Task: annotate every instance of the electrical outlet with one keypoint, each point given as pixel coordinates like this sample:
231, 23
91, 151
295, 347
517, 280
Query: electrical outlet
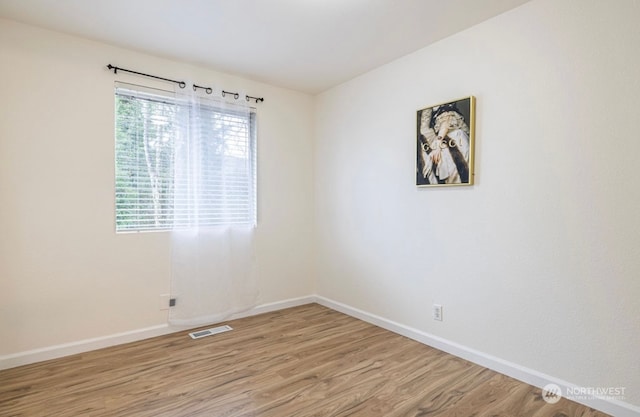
437, 312
164, 301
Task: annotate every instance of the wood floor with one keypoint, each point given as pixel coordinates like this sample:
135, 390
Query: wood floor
304, 361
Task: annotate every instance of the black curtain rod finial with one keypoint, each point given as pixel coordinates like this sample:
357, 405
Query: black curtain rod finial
257, 99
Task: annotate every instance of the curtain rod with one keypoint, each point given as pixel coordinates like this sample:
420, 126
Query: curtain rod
182, 84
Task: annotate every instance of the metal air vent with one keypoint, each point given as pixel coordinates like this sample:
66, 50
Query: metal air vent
210, 332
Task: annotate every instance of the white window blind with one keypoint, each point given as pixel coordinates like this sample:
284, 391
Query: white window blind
157, 188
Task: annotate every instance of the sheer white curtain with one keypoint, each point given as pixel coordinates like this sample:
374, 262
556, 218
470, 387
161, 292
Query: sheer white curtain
213, 250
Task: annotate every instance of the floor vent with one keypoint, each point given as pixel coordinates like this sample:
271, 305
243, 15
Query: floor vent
210, 332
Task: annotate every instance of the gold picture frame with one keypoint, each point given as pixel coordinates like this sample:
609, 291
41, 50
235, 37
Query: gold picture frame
445, 139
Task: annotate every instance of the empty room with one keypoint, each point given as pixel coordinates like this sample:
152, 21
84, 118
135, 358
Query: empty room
279, 208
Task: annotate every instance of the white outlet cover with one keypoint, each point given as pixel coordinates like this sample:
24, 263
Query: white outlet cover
437, 312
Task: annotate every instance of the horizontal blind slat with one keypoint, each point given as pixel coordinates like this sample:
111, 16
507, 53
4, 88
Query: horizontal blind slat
149, 132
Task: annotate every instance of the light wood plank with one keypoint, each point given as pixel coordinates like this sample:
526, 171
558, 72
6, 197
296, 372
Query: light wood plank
300, 362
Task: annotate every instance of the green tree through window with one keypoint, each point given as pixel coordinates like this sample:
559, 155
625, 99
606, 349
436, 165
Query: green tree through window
148, 128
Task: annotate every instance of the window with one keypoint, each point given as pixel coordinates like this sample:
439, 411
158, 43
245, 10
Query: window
181, 163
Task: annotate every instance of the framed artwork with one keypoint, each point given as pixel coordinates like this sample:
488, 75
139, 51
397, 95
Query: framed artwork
445, 144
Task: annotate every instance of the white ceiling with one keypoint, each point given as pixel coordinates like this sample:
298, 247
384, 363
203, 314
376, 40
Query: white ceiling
305, 45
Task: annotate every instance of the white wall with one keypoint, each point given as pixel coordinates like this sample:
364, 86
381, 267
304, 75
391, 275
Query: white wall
536, 264
539, 262
65, 275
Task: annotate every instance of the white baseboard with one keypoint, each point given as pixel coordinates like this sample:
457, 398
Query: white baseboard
614, 407
529, 376
81, 346
278, 305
